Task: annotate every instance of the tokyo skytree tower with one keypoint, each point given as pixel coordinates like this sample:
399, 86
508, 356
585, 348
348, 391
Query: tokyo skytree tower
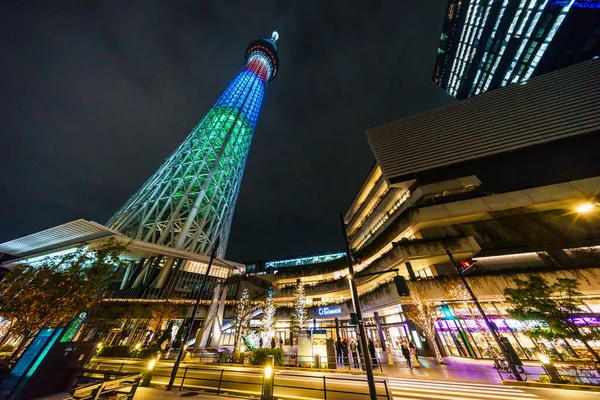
190, 199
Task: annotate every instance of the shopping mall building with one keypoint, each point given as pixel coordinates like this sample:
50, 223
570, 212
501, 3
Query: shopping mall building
509, 178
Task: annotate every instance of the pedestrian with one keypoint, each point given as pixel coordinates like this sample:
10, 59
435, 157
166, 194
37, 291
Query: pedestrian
345, 353
260, 343
280, 342
406, 352
338, 350
372, 352
354, 351
273, 342
413, 353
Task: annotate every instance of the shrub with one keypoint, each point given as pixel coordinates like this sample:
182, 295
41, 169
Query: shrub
114, 351
145, 353
259, 356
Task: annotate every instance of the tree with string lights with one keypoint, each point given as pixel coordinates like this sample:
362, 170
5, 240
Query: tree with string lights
299, 316
268, 320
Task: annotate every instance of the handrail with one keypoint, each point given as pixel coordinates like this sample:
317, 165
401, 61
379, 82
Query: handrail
113, 387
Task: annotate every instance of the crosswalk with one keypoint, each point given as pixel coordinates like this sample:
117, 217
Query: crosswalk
419, 389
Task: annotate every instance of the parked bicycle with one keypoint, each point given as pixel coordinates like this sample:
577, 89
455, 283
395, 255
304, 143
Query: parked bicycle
502, 367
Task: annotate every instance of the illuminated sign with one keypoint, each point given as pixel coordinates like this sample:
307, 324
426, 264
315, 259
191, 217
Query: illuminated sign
323, 311
75, 326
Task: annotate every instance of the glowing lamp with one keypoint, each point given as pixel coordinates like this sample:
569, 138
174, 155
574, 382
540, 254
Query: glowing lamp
543, 358
151, 364
584, 208
268, 372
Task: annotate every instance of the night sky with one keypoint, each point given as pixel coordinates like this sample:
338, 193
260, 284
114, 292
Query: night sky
94, 95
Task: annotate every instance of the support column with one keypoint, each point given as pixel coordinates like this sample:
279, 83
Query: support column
380, 330
411, 271
337, 329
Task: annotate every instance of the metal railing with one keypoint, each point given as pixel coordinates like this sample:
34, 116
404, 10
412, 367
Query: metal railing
217, 380
345, 363
105, 384
331, 385
580, 372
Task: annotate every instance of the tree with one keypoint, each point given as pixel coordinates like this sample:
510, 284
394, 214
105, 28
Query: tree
165, 312
423, 315
241, 320
553, 305
299, 316
109, 315
268, 320
50, 292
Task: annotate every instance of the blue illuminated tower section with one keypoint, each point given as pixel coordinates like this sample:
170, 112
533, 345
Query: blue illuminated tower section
189, 201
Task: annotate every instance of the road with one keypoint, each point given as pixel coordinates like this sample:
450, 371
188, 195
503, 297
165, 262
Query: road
309, 385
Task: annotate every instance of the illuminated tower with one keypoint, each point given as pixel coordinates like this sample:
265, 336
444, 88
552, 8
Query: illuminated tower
190, 199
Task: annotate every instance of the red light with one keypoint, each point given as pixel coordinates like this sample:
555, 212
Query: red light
467, 263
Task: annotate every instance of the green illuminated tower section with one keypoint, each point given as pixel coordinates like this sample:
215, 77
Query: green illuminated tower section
190, 199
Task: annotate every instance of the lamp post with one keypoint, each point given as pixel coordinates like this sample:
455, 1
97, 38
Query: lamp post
361, 326
511, 365
194, 312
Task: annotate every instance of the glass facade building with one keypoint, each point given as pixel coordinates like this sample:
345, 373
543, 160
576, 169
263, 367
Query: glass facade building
487, 44
189, 201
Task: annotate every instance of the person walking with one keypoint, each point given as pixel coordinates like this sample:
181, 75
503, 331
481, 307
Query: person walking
354, 351
273, 342
413, 353
371, 346
280, 342
406, 352
345, 353
338, 350
260, 343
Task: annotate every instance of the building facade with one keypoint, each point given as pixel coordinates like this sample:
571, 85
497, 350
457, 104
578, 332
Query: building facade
488, 178
489, 44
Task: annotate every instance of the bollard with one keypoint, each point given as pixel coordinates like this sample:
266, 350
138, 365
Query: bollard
268, 378
147, 375
550, 369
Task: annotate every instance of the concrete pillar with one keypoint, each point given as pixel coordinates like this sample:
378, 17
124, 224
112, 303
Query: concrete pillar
380, 330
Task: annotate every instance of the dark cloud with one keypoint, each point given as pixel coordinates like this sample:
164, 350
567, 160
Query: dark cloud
96, 94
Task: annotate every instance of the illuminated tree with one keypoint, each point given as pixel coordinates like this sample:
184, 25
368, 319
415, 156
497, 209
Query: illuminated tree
423, 314
268, 320
164, 313
299, 317
241, 320
51, 292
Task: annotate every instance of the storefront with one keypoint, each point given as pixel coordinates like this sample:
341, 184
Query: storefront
470, 337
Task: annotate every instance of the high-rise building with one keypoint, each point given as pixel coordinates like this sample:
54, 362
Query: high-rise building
189, 201
487, 44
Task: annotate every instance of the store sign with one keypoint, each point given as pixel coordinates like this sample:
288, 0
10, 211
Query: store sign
323, 311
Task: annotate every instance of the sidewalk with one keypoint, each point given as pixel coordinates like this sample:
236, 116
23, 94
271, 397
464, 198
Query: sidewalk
454, 368
147, 393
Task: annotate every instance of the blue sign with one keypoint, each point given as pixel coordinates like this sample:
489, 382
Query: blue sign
28, 362
324, 311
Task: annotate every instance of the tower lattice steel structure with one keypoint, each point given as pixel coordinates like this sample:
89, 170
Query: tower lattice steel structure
190, 199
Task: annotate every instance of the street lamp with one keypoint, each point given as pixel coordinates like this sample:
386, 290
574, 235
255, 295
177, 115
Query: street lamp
188, 331
361, 326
